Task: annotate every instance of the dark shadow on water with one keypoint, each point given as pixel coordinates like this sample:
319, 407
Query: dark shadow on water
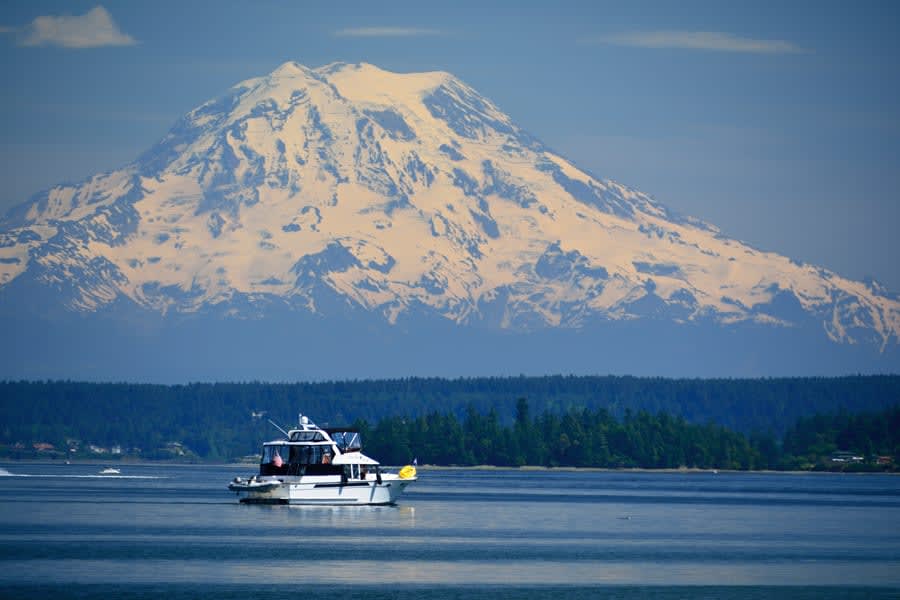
260, 590
747, 500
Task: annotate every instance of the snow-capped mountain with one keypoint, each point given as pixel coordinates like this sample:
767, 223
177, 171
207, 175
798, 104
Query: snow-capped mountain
350, 188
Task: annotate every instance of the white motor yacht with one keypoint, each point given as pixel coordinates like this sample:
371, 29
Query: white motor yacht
110, 471
316, 465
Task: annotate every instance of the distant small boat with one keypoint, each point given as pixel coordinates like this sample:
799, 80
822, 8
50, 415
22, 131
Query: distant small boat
110, 471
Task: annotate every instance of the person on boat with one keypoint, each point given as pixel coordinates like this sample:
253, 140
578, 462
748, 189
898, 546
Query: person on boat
326, 458
276, 460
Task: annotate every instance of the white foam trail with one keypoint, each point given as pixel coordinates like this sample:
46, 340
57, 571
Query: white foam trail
103, 476
5, 473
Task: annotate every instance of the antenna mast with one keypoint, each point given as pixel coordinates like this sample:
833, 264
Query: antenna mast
275, 425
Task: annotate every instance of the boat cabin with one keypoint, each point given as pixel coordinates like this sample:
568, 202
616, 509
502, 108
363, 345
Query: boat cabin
312, 451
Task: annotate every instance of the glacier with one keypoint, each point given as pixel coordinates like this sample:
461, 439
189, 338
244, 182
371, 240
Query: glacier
356, 207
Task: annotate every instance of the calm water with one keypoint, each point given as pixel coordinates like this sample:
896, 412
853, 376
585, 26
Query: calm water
176, 531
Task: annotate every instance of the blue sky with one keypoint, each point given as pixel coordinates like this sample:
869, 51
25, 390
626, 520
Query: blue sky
777, 122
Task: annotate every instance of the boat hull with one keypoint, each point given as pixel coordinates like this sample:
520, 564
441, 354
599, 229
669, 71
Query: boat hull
296, 491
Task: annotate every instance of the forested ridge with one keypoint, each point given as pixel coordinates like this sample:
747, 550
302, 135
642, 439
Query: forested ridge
594, 438
579, 421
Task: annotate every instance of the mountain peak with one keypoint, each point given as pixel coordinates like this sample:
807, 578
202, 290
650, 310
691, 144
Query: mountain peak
397, 194
288, 68
338, 66
363, 82
358, 83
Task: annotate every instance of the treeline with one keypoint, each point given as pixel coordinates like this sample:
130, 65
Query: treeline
228, 421
866, 435
594, 438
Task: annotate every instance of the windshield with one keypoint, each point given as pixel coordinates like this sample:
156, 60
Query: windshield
347, 441
307, 436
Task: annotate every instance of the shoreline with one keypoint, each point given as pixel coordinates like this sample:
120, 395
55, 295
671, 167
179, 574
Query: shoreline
426, 467
685, 470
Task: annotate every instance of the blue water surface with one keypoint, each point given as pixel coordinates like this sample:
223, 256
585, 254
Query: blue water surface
175, 531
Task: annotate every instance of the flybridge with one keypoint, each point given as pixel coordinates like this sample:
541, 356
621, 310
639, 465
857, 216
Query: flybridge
308, 450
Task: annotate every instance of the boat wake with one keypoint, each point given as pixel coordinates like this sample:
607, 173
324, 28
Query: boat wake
6, 473
104, 476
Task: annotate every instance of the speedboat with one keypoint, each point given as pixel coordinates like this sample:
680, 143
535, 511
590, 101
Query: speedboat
314, 465
110, 471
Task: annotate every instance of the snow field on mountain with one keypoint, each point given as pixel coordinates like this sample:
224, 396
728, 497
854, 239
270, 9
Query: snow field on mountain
396, 192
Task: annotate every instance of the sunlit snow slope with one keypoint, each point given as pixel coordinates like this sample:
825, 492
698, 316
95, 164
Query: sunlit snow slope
348, 185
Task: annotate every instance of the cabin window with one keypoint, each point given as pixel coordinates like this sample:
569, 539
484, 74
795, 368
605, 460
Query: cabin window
275, 460
276, 454
277, 457
356, 471
311, 455
307, 436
